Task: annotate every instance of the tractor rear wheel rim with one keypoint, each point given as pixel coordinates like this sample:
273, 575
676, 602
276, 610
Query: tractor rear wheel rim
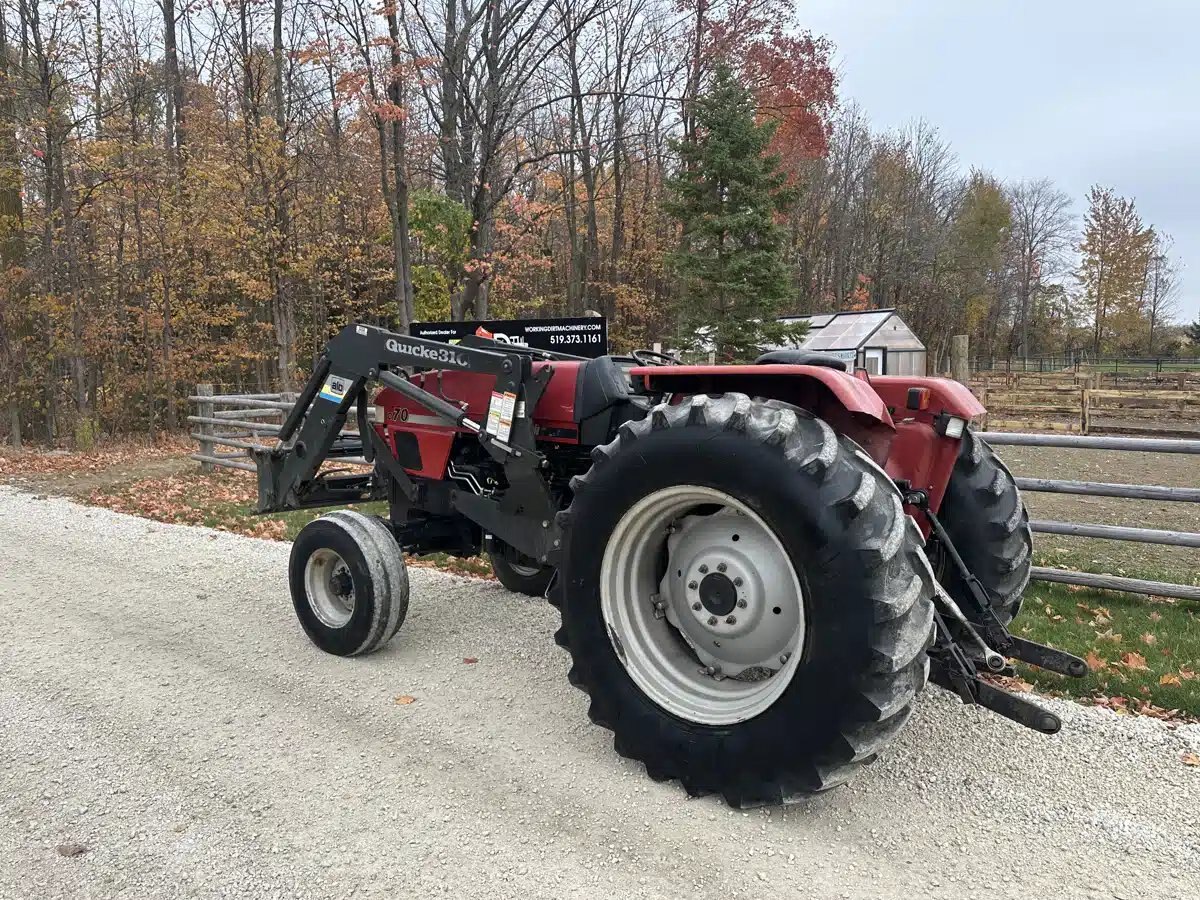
329, 588
715, 637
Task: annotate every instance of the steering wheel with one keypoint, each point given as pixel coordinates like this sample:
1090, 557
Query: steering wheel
654, 358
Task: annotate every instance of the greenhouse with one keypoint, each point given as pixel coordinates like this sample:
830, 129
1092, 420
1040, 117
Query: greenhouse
877, 340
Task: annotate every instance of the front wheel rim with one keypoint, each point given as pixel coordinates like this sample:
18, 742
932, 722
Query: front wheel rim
329, 588
702, 605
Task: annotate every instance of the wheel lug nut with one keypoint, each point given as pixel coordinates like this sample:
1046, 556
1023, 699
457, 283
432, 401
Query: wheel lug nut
692, 585
721, 567
741, 604
696, 607
731, 620
737, 582
703, 569
712, 620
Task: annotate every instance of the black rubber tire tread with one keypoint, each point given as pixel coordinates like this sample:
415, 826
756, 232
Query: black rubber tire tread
986, 519
868, 597
518, 583
380, 576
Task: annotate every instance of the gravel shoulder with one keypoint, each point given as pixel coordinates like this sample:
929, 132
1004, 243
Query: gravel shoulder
160, 707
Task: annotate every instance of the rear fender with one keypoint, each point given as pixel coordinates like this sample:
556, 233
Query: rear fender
848, 403
921, 454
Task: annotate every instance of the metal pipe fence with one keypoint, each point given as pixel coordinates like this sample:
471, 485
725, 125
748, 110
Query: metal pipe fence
1085, 362
1100, 489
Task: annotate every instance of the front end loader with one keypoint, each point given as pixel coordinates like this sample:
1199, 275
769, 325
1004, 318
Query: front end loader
758, 567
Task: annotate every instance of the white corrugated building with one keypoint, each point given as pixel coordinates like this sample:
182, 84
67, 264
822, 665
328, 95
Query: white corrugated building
877, 340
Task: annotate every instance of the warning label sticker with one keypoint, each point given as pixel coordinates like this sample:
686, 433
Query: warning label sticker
335, 388
495, 410
507, 407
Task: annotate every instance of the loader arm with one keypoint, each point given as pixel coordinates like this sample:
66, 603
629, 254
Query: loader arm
361, 356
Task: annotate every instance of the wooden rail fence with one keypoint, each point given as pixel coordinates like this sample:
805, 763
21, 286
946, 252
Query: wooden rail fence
243, 427
1074, 403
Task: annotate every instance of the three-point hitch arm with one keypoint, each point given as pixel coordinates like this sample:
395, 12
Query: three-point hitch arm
363, 355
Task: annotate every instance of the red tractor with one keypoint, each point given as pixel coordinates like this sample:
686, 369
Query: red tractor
758, 567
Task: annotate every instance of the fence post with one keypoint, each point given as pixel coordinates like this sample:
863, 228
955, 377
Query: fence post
959, 348
206, 410
1086, 402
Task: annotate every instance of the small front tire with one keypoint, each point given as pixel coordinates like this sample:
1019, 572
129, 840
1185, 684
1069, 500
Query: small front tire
349, 583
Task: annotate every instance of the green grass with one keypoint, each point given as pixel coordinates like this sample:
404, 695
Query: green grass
226, 502
1141, 648
230, 515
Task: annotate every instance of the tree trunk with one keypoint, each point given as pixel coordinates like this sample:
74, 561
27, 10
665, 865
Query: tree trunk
12, 242
283, 300
402, 261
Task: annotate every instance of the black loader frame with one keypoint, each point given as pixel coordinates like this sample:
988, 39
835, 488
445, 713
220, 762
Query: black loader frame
360, 355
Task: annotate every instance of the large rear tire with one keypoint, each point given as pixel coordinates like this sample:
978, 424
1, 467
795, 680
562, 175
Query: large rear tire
349, 583
823, 561
986, 519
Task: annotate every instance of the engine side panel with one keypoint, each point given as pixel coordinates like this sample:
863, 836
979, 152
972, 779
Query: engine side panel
406, 421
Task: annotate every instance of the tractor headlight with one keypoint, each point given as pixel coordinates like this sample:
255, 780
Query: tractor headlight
955, 427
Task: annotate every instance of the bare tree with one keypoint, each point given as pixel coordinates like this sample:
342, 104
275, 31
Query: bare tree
12, 238
1042, 235
1160, 296
488, 53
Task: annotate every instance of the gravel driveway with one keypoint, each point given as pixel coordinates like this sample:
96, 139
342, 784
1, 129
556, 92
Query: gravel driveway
160, 707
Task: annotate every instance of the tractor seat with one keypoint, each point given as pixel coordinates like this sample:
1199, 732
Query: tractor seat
800, 358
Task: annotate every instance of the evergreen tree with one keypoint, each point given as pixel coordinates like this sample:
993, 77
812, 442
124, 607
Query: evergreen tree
1193, 332
730, 266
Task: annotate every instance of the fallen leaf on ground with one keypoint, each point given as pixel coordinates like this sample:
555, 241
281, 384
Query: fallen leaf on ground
1149, 639
1155, 616
71, 849
1109, 636
1095, 661
1190, 759
1170, 679
405, 700
469, 660
1133, 660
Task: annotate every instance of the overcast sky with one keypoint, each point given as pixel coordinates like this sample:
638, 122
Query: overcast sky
1082, 92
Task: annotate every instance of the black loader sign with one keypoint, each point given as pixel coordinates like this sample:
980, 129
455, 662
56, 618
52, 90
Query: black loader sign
582, 336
